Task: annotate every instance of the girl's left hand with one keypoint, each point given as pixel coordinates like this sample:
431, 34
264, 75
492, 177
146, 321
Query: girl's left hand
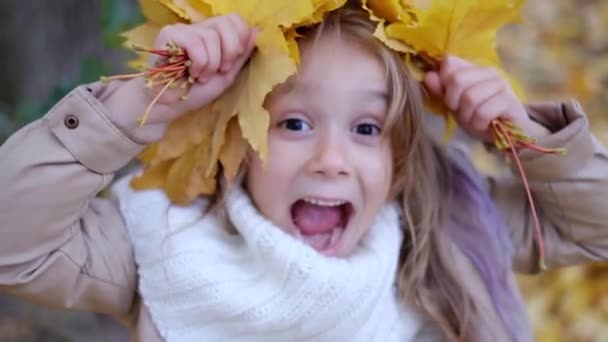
478, 95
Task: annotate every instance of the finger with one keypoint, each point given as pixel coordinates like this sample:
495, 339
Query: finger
493, 108
185, 38
243, 58
166, 34
227, 78
196, 51
451, 64
211, 41
230, 43
475, 96
433, 84
241, 27
461, 80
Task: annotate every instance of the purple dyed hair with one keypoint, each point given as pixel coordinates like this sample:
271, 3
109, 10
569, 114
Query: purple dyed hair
477, 228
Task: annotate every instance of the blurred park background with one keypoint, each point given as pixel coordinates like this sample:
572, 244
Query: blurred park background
559, 51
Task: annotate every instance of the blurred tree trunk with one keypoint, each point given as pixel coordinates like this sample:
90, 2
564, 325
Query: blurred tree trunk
43, 43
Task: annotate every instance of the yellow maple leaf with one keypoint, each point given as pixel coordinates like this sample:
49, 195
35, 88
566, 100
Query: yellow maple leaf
189, 129
270, 66
264, 13
233, 151
201, 7
465, 28
383, 11
158, 13
291, 37
186, 178
389, 10
397, 45
321, 7
142, 35
190, 10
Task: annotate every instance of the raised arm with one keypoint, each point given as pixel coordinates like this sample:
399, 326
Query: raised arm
570, 193
59, 244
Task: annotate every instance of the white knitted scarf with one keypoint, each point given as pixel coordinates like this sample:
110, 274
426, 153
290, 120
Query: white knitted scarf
201, 283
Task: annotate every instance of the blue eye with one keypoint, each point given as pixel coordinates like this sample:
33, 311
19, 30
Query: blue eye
368, 129
295, 125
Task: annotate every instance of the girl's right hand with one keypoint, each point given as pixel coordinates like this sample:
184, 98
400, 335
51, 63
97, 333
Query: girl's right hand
218, 48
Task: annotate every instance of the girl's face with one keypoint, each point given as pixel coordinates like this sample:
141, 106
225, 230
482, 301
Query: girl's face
329, 168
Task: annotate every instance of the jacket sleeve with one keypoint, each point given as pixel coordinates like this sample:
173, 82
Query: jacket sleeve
570, 193
60, 244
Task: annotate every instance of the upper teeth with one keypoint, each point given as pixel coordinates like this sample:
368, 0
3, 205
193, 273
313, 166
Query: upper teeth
325, 203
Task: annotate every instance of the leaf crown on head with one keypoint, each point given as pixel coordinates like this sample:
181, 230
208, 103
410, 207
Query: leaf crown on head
186, 161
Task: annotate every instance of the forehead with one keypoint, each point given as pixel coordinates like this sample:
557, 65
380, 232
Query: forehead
335, 63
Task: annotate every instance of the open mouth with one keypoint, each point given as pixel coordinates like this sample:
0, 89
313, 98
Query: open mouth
322, 223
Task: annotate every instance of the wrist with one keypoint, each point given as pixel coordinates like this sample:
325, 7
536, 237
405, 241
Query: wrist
126, 107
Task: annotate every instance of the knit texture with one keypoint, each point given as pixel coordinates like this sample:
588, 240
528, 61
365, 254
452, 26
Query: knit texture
201, 283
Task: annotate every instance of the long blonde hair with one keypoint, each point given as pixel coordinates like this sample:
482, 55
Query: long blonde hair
424, 181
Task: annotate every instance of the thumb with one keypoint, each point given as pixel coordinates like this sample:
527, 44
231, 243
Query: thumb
432, 81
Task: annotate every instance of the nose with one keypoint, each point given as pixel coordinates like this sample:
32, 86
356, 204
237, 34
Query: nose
330, 157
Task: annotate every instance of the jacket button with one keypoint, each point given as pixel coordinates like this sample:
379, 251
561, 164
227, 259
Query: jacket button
70, 121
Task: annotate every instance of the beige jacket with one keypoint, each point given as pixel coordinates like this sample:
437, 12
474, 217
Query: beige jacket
63, 246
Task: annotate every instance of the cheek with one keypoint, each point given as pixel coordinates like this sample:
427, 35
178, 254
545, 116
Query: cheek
268, 183
254, 173
379, 173
376, 171
254, 181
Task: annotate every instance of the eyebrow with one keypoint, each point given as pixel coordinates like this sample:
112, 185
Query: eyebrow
375, 93
289, 87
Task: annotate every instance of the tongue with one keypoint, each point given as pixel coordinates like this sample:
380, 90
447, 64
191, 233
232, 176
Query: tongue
315, 219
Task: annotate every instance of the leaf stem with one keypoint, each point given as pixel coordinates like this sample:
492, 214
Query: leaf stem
500, 129
149, 108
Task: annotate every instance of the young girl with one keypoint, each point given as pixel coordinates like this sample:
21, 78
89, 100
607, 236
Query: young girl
358, 228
